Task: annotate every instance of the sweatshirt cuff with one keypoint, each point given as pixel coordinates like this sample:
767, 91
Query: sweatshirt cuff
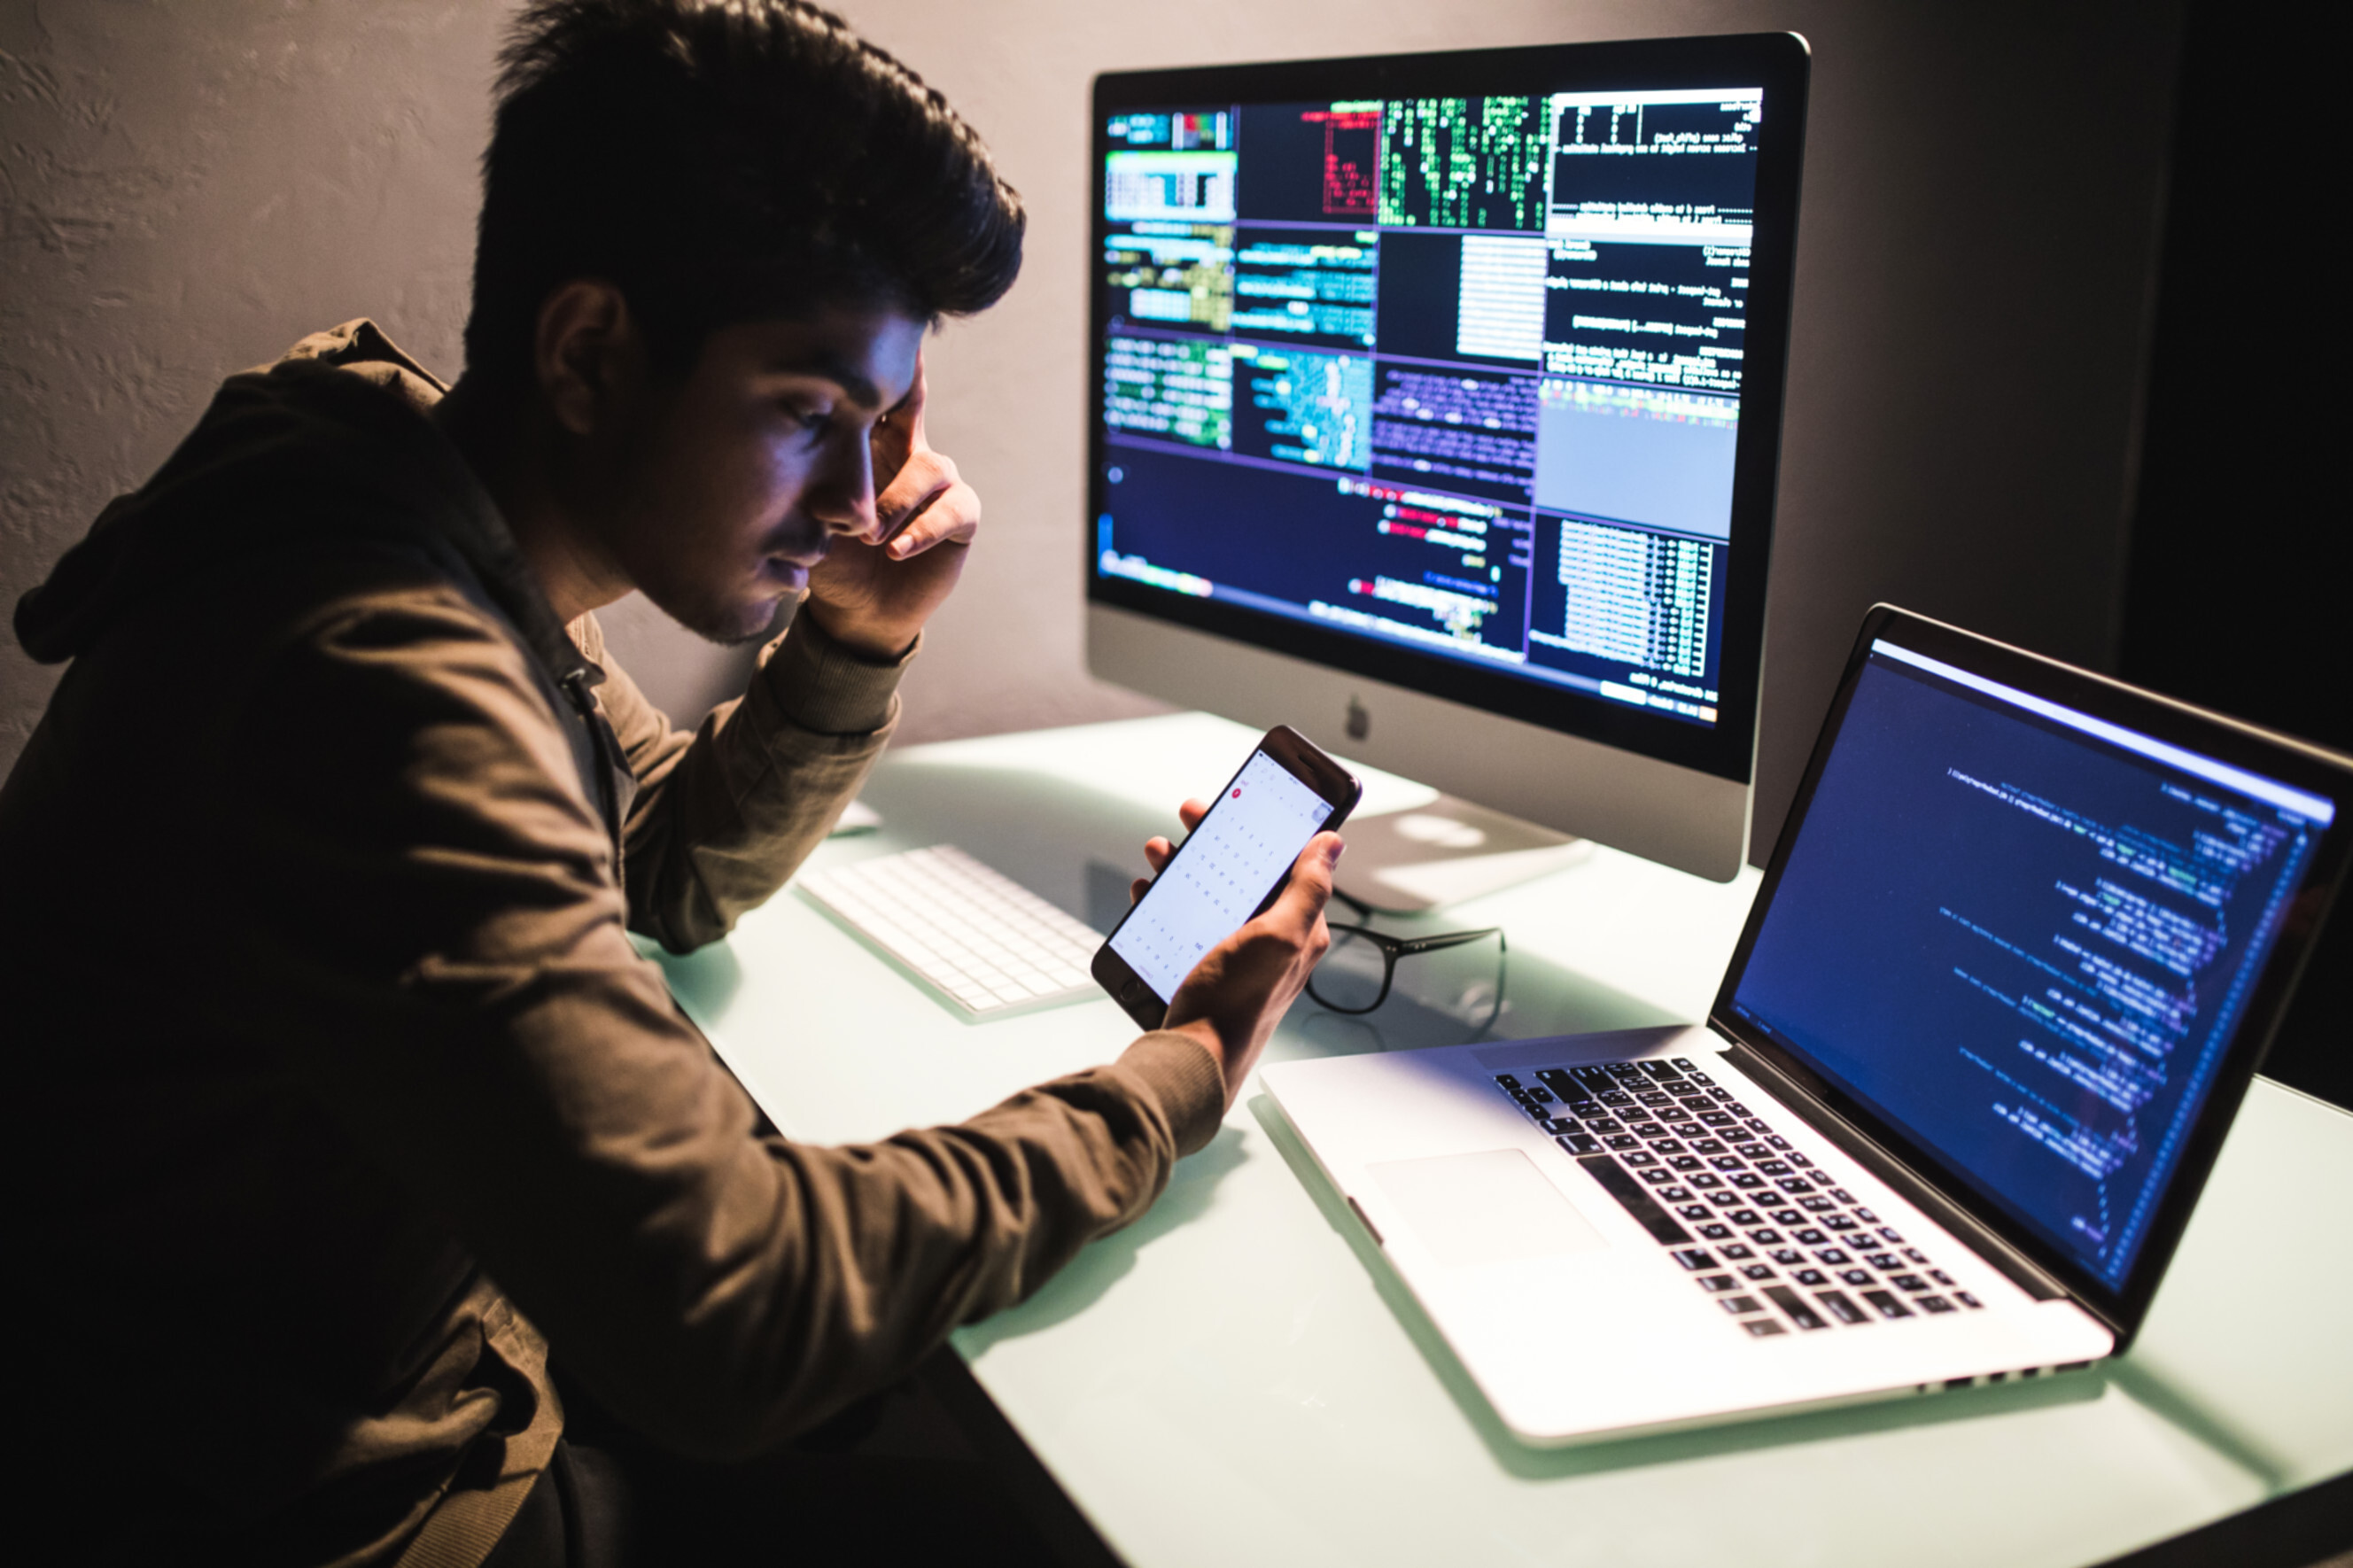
1184, 1077
823, 687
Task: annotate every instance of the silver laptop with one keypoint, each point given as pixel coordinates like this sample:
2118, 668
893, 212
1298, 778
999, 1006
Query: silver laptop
2022, 944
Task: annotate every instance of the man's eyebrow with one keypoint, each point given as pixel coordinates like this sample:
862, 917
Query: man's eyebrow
833, 367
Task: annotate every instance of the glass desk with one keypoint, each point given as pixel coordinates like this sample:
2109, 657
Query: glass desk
1237, 1380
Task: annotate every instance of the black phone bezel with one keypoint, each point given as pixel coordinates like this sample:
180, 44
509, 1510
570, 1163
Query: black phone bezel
2122, 1308
1304, 761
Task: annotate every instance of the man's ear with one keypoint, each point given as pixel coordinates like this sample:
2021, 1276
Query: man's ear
586, 352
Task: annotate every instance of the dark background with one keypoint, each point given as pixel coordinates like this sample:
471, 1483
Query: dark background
2234, 582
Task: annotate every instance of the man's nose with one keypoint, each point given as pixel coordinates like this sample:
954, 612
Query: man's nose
842, 494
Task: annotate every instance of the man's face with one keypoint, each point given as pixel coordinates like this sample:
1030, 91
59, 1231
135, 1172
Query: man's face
730, 485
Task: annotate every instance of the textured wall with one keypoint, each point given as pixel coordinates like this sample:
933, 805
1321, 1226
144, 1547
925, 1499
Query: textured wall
188, 189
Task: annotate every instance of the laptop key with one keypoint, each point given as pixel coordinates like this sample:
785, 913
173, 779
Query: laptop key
1794, 1306
1810, 1277
1758, 1271
1716, 1232
1787, 1257
1739, 1304
1909, 1282
1936, 1303
1887, 1305
1718, 1283
1736, 1252
1658, 1175
1674, 1194
1762, 1328
1640, 1157
1788, 1216
1623, 1140
1694, 1257
1857, 1277
1966, 1300
1743, 1217
1830, 1255
1809, 1236
1766, 1236
1635, 1198
1579, 1142
1694, 1211
1844, 1310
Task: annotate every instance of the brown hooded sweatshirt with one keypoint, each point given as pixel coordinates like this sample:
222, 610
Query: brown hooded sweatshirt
315, 883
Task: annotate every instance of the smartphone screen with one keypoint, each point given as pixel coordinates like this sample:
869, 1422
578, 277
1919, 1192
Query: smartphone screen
1220, 874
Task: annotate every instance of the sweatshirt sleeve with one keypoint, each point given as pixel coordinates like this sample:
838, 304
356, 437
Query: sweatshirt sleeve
435, 940
724, 815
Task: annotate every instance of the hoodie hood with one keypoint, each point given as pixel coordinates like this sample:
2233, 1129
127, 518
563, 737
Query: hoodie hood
332, 443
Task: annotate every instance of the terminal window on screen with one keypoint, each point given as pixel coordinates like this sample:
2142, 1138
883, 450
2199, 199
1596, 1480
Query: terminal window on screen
2026, 946
1461, 373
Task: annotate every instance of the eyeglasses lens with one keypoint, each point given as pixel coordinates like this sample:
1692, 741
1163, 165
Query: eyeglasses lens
1349, 978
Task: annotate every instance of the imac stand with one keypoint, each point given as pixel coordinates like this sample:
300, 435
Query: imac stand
1447, 852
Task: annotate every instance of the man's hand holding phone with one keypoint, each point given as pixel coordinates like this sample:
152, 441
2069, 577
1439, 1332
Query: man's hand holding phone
1241, 987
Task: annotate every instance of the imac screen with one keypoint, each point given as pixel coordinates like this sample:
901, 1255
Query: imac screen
1459, 377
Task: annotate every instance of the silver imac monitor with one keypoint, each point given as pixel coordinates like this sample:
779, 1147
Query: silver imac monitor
1436, 412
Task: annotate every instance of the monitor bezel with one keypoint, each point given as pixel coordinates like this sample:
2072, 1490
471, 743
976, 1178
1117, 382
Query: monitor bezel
1778, 64
2283, 758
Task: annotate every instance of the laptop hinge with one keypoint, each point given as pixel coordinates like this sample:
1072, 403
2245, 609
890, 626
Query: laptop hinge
2020, 1269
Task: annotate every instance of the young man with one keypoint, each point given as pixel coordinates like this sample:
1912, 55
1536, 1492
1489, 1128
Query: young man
342, 1100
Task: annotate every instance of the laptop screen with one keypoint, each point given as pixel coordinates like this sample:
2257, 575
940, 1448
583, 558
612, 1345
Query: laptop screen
2024, 936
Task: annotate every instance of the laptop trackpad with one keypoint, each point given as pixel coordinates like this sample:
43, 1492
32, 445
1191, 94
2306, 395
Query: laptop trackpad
1490, 1207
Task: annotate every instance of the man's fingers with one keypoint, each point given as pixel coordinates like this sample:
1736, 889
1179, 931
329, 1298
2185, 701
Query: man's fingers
951, 517
1190, 813
1159, 851
1301, 907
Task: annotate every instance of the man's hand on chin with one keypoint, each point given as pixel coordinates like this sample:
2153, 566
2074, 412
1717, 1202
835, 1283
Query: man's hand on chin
873, 595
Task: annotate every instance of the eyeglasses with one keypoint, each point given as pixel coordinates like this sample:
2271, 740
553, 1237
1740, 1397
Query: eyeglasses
1358, 972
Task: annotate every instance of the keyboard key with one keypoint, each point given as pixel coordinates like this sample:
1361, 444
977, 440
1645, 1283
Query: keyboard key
1936, 1303
1843, 1197
1604, 1124
1694, 1257
1915, 1254
1777, 1141
1809, 1236
1736, 1252
1561, 1124
1579, 1142
1635, 1199
1966, 1300
1666, 1145
1787, 1257
1715, 1232
1766, 1236
1844, 1310
1623, 1140
1810, 1277
1718, 1282
1774, 1167
1639, 1158
1793, 1186
1895, 1236
1705, 1179
1658, 1175
1857, 1277
1797, 1158
1940, 1277
1672, 1114
1762, 1328
1837, 1222
1886, 1305
1794, 1306
1739, 1304
1757, 1272
1744, 1216
1747, 1179
1830, 1255
1788, 1216
1685, 1162
1706, 1146
1694, 1211
1727, 1198
1909, 1282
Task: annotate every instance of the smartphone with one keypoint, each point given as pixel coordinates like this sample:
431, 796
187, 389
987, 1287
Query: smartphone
1228, 869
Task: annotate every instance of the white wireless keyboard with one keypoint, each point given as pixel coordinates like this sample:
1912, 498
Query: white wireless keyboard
979, 937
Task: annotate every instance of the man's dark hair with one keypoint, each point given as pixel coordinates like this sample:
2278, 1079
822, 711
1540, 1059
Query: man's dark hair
724, 161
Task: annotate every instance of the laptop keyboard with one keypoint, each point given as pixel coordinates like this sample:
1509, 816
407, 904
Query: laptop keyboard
1761, 1227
